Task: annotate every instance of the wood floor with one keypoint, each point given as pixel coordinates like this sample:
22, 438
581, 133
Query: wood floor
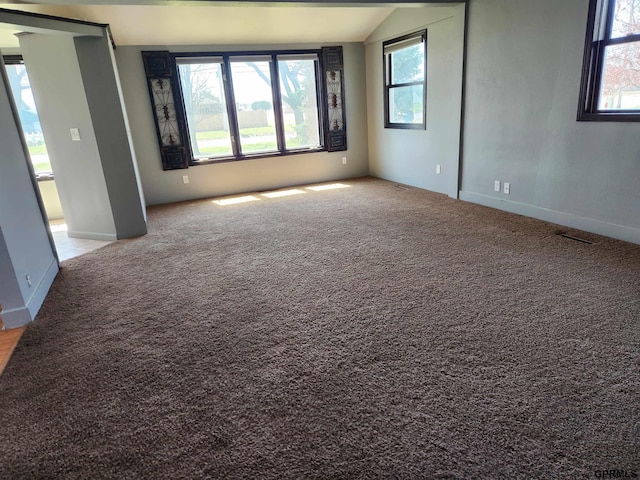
8, 341
67, 248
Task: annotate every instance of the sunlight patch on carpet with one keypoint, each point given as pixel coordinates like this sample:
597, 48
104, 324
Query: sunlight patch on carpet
234, 200
332, 186
283, 193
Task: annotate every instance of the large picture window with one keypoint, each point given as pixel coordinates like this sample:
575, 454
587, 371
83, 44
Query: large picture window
247, 105
405, 80
611, 72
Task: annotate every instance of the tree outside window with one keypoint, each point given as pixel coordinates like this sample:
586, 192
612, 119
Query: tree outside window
405, 81
611, 73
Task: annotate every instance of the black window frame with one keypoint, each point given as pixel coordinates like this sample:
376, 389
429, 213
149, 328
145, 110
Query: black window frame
600, 20
231, 112
16, 59
389, 85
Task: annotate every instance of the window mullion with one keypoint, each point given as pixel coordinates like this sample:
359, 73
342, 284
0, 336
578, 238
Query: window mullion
611, 11
594, 96
277, 103
231, 106
622, 40
321, 94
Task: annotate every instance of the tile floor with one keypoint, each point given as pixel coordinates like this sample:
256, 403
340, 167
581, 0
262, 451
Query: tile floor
71, 247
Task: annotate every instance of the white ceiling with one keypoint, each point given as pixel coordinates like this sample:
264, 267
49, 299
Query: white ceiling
215, 24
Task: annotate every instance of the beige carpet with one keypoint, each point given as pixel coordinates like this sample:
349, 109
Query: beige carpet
358, 332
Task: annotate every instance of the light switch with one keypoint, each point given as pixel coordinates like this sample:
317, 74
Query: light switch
75, 134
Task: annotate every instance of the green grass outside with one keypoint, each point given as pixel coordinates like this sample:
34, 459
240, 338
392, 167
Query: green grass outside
254, 147
38, 149
250, 148
41, 167
245, 132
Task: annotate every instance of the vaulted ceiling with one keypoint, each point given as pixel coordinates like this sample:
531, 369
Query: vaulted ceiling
154, 22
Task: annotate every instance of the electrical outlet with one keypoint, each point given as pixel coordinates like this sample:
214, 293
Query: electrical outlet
28, 280
185, 179
438, 169
506, 188
496, 185
344, 160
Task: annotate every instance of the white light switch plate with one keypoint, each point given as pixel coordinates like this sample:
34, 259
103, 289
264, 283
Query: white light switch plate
75, 134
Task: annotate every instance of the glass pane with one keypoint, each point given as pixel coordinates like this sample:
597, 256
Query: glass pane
206, 109
626, 19
620, 85
406, 104
21, 90
254, 107
407, 64
299, 103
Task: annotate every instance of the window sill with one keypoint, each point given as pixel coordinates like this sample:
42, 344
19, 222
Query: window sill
255, 156
44, 177
608, 117
406, 126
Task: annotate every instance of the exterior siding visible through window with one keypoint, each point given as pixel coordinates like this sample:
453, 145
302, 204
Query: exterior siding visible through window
610, 89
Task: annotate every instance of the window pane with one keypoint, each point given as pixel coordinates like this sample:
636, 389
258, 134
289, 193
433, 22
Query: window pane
254, 107
406, 104
407, 64
620, 86
626, 19
21, 90
299, 103
206, 109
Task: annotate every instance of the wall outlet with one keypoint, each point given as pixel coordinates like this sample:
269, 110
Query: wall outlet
344, 160
506, 188
496, 185
438, 170
28, 278
185, 179
75, 134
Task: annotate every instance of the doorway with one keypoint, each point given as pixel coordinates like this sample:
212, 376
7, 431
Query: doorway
66, 247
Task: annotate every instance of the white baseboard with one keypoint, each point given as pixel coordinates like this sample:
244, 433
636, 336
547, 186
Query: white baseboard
107, 237
42, 289
620, 232
18, 317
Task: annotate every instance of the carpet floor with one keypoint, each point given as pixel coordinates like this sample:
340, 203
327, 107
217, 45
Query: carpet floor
359, 332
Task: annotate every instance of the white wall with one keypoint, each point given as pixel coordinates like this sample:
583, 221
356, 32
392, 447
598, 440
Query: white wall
108, 117
50, 199
411, 156
524, 65
248, 175
24, 243
62, 104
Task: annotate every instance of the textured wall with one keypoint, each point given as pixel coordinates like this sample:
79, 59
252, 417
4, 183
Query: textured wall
524, 64
24, 244
411, 156
248, 175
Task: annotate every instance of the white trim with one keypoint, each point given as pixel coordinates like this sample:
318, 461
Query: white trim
299, 56
620, 232
249, 58
406, 43
106, 237
18, 317
197, 60
41, 290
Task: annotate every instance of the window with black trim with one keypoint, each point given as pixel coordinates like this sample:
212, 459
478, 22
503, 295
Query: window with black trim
23, 97
251, 104
611, 72
405, 81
